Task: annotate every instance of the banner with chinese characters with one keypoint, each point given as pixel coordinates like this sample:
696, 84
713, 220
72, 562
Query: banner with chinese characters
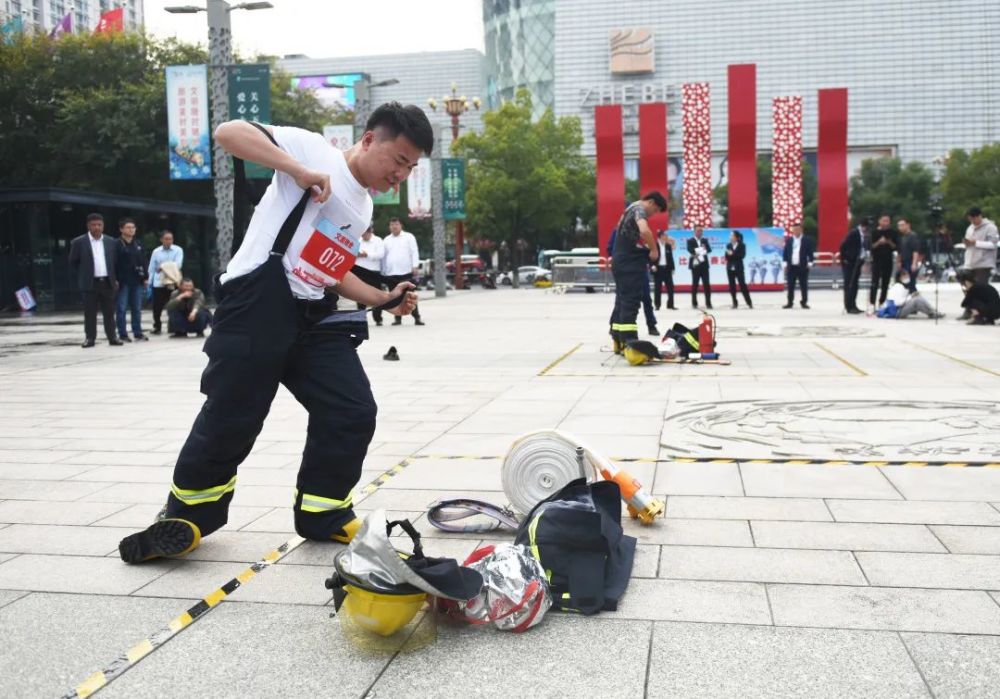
187, 123
453, 189
250, 100
340, 136
418, 190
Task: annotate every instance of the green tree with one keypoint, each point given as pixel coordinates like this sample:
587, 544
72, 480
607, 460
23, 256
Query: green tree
971, 179
886, 186
89, 112
526, 179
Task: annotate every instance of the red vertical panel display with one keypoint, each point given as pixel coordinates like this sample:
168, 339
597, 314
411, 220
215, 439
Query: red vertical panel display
697, 155
786, 162
832, 166
653, 156
610, 170
743, 145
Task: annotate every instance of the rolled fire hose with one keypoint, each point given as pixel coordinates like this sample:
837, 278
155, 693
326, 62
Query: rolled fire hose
541, 463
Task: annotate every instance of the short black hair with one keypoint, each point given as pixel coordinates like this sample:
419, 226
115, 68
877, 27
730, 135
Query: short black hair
394, 219
974, 211
187, 280
95, 217
164, 232
902, 219
122, 222
739, 236
657, 199
410, 121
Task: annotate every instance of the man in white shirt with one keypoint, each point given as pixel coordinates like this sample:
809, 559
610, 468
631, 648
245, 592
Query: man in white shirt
277, 324
92, 257
162, 286
798, 259
368, 267
401, 261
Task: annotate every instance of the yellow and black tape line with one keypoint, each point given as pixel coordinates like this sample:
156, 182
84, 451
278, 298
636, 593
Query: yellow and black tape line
717, 460
546, 370
147, 645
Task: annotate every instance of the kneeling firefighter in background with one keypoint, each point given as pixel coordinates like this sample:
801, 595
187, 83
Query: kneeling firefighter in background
634, 248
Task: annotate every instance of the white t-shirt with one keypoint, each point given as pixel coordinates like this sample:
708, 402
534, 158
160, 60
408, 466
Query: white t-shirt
349, 209
401, 254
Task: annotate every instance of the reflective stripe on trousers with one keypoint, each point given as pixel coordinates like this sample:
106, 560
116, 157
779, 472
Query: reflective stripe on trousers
204, 495
316, 503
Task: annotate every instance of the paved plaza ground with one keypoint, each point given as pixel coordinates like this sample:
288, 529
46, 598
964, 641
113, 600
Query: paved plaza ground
832, 528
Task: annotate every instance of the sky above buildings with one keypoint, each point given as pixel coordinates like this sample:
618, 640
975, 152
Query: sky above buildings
333, 28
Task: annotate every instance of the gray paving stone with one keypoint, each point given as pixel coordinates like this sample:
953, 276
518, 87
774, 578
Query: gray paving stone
264, 496
78, 574
41, 512
277, 584
130, 493
647, 561
124, 459
914, 512
437, 474
697, 479
80, 635
559, 658
277, 519
956, 667
940, 570
50, 539
140, 516
8, 596
236, 546
47, 490
852, 536
693, 600
759, 565
975, 484
778, 480
255, 650
691, 532
34, 456
702, 507
969, 539
38, 472
897, 609
715, 660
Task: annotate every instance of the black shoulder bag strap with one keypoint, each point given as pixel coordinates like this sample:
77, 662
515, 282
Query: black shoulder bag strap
247, 196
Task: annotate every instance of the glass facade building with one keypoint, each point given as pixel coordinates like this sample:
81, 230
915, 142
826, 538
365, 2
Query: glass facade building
520, 50
923, 76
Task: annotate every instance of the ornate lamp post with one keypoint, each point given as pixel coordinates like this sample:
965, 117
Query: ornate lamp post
455, 106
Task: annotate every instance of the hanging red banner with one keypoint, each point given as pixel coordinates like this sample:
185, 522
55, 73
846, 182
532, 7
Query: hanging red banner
743, 145
610, 170
832, 165
653, 156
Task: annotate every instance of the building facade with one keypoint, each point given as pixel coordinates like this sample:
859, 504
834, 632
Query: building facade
409, 78
923, 76
43, 15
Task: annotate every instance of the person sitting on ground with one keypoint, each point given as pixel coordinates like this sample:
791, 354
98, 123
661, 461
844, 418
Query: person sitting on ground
981, 301
186, 311
900, 302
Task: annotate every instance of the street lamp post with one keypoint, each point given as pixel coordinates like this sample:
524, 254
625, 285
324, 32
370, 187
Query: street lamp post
220, 55
454, 106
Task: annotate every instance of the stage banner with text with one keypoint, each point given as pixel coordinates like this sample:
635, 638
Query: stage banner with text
250, 100
761, 266
187, 123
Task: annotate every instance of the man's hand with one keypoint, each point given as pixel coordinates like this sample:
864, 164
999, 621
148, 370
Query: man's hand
191, 316
969, 242
409, 302
317, 182
362, 254
185, 294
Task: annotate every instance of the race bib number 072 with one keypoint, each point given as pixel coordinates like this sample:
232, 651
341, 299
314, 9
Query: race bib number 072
328, 255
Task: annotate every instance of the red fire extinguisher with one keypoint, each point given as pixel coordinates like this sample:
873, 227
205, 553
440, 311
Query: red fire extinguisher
706, 335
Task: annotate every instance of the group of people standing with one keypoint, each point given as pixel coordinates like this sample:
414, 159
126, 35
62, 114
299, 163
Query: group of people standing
896, 255
386, 262
113, 277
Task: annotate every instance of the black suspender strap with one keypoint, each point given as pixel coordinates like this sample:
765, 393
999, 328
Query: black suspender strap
245, 197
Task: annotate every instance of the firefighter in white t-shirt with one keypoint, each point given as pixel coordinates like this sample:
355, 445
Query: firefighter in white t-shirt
277, 323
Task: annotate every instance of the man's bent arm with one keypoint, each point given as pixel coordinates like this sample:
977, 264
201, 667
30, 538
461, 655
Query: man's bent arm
647, 237
352, 288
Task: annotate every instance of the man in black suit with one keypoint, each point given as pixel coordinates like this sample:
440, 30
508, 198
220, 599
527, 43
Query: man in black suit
698, 250
798, 258
92, 258
853, 250
735, 252
663, 270
885, 241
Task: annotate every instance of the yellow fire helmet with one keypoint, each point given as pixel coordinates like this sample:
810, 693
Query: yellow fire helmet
639, 352
381, 589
